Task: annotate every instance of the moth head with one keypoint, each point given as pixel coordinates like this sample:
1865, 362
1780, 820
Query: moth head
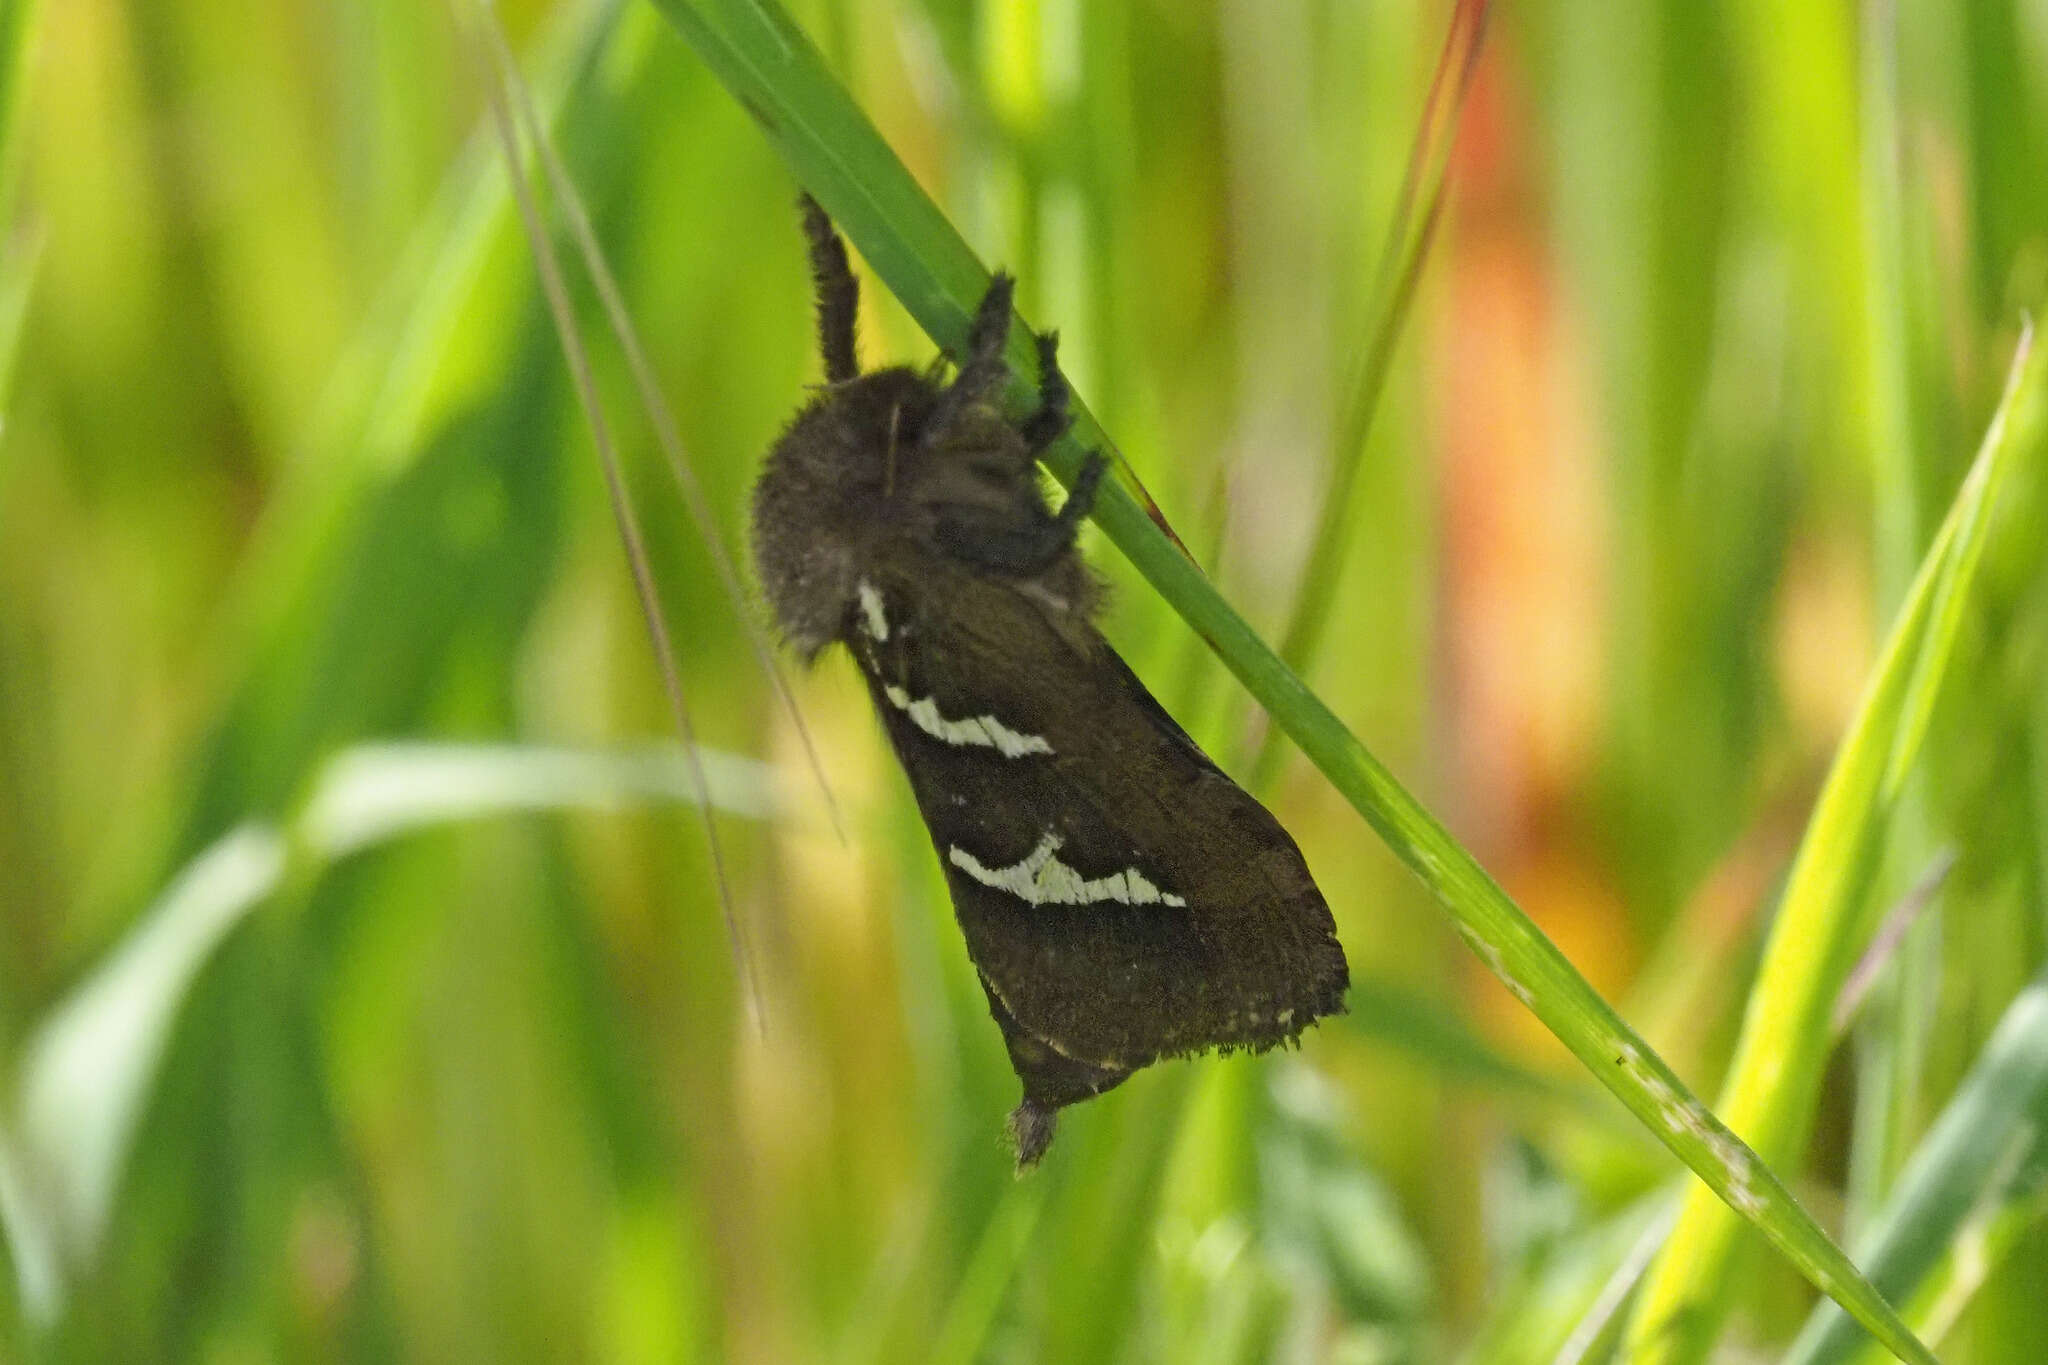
831, 491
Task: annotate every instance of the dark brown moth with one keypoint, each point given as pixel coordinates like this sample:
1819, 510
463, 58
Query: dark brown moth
1121, 898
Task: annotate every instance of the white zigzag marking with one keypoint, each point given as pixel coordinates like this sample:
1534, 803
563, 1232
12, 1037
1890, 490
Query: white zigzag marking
1042, 879
986, 731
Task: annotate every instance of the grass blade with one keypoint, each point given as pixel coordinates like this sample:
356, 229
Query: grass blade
775, 73
375, 792
1823, 918
88, 1069
555, 290
1568, 1300
1409, 239
661, 418
962, 1336
21, 251
1965, 1159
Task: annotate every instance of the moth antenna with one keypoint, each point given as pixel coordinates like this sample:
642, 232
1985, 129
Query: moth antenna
838, 293
889, 455
659, 415
578, 360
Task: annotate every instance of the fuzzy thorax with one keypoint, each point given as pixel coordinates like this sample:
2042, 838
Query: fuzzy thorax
861, 483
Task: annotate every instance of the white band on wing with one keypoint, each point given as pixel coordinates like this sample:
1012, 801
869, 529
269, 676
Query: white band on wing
985, 731
1042, 879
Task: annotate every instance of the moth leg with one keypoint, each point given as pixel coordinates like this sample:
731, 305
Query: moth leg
837, 290
1081, 497
1052, 419
983, 369
977, 536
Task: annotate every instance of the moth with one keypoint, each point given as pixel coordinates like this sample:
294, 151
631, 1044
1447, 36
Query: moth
1122, 900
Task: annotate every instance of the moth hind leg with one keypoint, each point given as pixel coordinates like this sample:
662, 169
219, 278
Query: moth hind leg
975, 535
838, 293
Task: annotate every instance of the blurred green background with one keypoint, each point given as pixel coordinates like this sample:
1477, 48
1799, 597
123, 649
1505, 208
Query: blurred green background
1720, 304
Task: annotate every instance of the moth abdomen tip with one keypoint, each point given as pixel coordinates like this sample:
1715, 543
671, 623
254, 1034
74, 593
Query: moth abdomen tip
1031, 1129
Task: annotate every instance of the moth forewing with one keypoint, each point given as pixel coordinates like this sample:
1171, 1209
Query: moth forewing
1122, 899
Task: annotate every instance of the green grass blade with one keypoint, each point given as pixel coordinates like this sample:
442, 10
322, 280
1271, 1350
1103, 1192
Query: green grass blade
86, 1071
21, 244
1964, 1160
1570, 1299
411, 375
89, 1067
19, 31
19, 261
1991, 1243
962, 1336
776, 74
1396, 1015
1407, 252
375, 792
1823, 919
1891, 1046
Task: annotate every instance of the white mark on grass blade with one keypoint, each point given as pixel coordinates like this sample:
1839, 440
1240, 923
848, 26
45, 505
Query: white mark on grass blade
1689, 1116
1497, 964
1042, 879
984, 731
872, 618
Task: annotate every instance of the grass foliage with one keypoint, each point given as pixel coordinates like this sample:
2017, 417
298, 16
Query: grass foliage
364, 993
